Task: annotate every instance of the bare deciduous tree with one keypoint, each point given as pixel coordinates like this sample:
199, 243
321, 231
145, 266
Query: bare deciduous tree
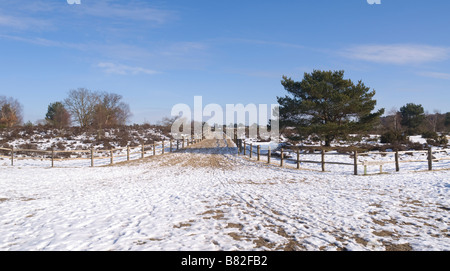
81, 104
395, 119
111, 111
432, 120
99, 109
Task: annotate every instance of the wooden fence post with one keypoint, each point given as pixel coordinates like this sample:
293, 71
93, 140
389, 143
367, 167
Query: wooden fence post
397, 164
245, 145
12, 156
92, 156
170, 149
268, 155
430, 158
128, 153
258, 149
111, 154
355, 162
323, 160
298, 158
251, 149
281, 160
162, 147
53, 155
142, 151
154, 148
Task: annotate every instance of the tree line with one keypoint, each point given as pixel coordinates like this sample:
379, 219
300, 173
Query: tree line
84, 107
412, 119
323, 104
329, 107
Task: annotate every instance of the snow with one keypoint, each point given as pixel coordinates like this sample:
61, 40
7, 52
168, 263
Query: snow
209, 198
418, 139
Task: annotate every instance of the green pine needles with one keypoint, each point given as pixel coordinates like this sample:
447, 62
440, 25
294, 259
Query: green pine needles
327, 105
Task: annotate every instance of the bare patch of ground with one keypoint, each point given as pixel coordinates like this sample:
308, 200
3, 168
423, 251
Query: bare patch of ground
205, 154
215, 214
235, 225
214, 161
262, 242
184, 224
397, 247
26, 199
20, 199
143, 242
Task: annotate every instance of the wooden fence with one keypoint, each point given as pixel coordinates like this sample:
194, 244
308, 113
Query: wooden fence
93, 154
249, 149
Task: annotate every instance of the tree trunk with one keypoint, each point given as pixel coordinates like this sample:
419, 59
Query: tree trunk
328, 140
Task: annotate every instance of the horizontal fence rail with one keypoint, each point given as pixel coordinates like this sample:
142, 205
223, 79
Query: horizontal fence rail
357, 158
131, 153
297, 158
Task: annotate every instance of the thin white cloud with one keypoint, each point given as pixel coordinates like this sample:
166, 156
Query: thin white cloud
268, 43
255, 73
128, 10
182, 48
113, 68
24, 23
167, 55
136, 11
46, 42
437, 75
401, 54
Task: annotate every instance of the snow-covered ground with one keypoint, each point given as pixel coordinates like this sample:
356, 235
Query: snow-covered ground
208, 198
408, 160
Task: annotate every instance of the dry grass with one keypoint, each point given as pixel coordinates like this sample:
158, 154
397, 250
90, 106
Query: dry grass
397, 247
206, 154
193, 160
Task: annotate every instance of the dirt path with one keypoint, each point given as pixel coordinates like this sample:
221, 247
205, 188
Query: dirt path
219, 158
209, 153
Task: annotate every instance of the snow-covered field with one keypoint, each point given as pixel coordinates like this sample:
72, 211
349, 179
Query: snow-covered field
208, 198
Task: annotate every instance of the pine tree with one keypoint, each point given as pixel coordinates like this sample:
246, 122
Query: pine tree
327, 105
447, 119
413, 115
57, 115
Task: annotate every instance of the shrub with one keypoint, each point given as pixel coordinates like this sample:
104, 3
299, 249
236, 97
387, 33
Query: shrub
415, 146
61, 146
393, 137
443, 140
438, 141
430, 135
28, 146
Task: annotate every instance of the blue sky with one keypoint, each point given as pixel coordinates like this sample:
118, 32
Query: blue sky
160, 53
